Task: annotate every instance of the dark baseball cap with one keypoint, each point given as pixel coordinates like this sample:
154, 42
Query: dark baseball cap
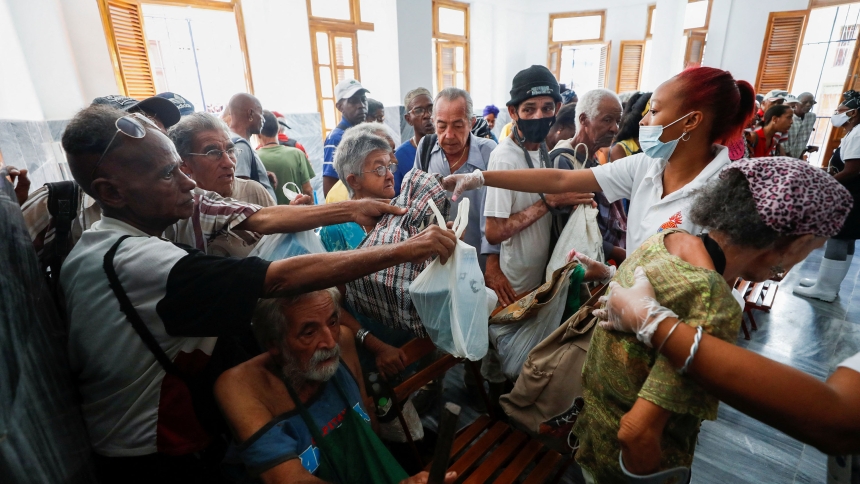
163, 109
533, 82
184, 105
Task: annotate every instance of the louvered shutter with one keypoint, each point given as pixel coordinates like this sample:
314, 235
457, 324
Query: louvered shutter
125, 26
630, 65
781, 50
603, 73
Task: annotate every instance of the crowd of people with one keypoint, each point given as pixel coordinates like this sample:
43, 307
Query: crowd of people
198, 362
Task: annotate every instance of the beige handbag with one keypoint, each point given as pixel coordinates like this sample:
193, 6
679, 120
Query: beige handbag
547, 396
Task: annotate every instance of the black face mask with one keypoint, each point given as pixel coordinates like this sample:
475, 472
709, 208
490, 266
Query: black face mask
535, 130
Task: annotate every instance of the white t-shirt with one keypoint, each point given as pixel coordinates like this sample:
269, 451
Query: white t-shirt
524, 256
640, 179
850, 145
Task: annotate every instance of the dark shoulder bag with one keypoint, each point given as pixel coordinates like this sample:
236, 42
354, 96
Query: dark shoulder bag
426, 148
200, 385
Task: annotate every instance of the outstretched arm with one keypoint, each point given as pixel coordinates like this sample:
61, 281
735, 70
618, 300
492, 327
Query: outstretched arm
543, 180
822, 414
293, 218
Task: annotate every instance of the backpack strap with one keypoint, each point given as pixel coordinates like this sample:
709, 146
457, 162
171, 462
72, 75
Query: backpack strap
63, 198
254, 172
133, 317
569, 154
426, 148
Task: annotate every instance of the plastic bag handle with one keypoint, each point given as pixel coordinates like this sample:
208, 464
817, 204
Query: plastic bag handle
287, 192
460, 222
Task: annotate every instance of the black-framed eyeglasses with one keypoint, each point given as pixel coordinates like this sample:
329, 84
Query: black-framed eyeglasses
130, 126
420, 111
215, 155
380, 170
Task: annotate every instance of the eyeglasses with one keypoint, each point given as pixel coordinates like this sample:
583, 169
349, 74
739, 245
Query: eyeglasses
129, 126
215, 155
421, 111
380, 170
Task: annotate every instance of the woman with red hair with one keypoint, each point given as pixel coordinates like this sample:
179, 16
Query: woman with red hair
692, 115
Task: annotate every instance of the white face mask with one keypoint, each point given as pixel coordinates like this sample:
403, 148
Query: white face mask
840, 119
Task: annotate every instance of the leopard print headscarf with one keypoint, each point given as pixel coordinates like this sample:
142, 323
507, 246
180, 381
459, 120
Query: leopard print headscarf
794, 198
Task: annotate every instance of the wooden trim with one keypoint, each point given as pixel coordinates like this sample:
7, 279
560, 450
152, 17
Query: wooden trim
210, 4
852, 81
243, 44
587, 13
111, 43
626, 43
828, 3
440, 39
354, 23
606, 64
651, 9
766, 44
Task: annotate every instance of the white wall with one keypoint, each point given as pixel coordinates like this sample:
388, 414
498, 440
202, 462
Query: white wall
18, 99
378, 51
738, 49
414, 45
86, 36
279, 47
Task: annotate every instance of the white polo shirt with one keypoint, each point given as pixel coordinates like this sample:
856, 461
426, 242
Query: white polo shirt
640, 179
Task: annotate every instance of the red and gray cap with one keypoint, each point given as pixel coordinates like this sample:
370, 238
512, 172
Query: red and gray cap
163, 109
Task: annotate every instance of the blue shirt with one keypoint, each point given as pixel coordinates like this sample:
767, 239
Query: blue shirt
330, 146
479, 156
405, 161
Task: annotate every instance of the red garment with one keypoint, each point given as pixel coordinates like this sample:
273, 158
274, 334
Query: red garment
282, 138
761, 149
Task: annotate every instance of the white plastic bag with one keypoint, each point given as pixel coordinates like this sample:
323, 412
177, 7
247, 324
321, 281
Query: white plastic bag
283, 246
581, 233
514, 341
451, 299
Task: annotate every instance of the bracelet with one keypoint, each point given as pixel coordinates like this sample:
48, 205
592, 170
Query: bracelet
360, 335
693, 350
668, 336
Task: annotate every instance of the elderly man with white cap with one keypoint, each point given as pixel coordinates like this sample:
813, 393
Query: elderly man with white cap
351, 98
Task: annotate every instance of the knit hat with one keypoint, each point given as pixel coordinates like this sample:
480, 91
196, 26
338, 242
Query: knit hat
532, 82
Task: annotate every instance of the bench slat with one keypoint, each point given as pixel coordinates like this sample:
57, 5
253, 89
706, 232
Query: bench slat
497, 458
520, 462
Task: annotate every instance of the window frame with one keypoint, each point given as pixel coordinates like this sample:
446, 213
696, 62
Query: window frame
584, 13
441, 39
334, 28
234, 6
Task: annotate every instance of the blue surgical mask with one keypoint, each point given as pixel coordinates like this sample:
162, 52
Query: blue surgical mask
649, 140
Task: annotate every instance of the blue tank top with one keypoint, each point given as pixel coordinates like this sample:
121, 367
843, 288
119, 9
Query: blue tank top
287, 437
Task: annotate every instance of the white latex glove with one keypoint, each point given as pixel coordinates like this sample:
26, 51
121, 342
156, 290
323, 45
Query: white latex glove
462, 183
594, 270
633, 309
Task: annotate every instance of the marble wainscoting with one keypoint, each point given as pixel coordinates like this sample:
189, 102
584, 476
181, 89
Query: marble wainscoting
35, 145
306, 128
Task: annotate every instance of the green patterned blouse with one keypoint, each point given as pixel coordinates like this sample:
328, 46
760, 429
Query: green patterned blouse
619, 369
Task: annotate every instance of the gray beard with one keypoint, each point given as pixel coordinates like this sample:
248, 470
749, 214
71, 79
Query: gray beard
298, 375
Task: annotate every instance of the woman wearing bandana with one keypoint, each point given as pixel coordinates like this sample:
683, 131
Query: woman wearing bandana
800, 205
840, 249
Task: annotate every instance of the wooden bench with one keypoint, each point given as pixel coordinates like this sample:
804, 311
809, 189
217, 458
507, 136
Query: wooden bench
487, 450
757, 295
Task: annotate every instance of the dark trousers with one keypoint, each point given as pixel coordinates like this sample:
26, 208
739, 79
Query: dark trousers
158, 468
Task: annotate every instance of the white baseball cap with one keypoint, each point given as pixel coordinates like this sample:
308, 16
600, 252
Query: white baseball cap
791, 99
776, 94
347, 88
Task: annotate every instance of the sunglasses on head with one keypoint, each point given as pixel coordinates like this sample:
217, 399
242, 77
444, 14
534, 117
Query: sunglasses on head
130, 126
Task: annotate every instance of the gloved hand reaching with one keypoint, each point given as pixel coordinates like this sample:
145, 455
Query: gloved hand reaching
594, 270
633, 309
462, 183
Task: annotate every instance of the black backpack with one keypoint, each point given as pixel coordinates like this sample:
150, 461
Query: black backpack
426, 147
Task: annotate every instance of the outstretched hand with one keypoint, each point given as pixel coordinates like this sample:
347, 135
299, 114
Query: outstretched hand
368, 211
594, 270
463, 183
21, 182
633, 309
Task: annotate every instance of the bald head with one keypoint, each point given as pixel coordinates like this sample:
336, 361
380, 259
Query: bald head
805, 102
246, 115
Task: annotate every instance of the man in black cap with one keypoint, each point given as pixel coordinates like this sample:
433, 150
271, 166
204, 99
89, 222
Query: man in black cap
520, 221
161, 111
184, 105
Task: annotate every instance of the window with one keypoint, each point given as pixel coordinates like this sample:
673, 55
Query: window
696, 18
451, 44
577, 54
334, 26
823, 64
197, 50
630, 63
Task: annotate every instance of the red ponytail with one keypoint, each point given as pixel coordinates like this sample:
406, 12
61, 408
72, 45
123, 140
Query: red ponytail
715, 91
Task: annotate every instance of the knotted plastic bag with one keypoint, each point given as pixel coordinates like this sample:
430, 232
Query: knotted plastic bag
451, 299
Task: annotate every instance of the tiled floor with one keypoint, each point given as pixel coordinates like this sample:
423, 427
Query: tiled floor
808, 334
